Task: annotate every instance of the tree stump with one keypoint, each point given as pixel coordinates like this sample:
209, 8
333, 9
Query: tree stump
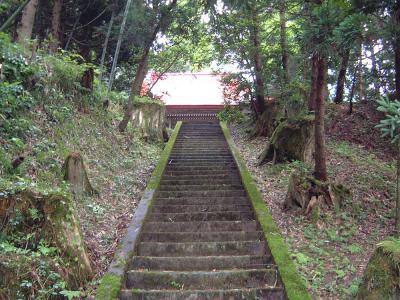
56, 223
310, 195
75, 173
269, 120
291, 140
382, 275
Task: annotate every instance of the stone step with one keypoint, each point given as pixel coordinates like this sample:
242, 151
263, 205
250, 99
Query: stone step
202, 182
203, 280
205, 156
200, 163
202, 216
199, 208
200, 263
220, 193
200, 187
243, 293
193, 177
200, 226
201, 159
205, 172
231, 167
202, 248
222, 236
210, 201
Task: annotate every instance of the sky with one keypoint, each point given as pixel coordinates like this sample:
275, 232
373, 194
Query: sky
190, 89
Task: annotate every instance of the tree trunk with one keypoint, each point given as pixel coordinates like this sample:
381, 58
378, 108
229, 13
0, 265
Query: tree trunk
71, 34
103, 54
320, 155
141, 70
12, 18
397, 50
314, 77
25, 27
115, 60
341, 81
55, 26
361, 81
285, 55
258, 65
397, 220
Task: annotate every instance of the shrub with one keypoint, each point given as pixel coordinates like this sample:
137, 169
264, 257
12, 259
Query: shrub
231, 114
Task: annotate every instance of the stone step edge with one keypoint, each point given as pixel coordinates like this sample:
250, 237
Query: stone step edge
111, 283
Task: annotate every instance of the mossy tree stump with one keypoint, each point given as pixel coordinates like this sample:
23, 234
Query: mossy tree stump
310, 195
56, 223
381, 278
75, 173
269, 120
291, 140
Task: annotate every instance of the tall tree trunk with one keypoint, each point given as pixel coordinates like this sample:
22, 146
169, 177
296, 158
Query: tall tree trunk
284, 50
361, 81
258, 65
320, 153
55, 25
142, 69
25, 27
103, 54
120, 35
397, 49
12, 18
341, 81
314, 78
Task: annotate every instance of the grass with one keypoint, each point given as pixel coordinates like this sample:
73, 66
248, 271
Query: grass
332, 253
118, 166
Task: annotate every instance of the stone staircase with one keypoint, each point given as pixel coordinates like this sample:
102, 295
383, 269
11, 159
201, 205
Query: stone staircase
201, 239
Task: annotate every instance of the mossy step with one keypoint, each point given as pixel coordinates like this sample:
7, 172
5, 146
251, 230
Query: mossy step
200, 226
202, 201
248, 294
202, 280
220, 193
202, 248
200, 263
200, 208
202, 216
218, 236
201, 187
204, 181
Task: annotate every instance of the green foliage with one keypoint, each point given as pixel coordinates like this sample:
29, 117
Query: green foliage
391, 124
231, 114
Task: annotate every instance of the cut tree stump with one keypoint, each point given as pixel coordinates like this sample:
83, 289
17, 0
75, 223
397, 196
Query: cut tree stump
75, 173
57, 224
381, 278
269, 120
291, 140
310, 195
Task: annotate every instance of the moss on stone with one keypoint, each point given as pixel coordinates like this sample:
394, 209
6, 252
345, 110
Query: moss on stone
294, 285
155, 179
109, 287
381, 278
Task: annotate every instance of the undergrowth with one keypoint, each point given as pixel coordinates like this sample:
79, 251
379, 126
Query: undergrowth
45, 114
